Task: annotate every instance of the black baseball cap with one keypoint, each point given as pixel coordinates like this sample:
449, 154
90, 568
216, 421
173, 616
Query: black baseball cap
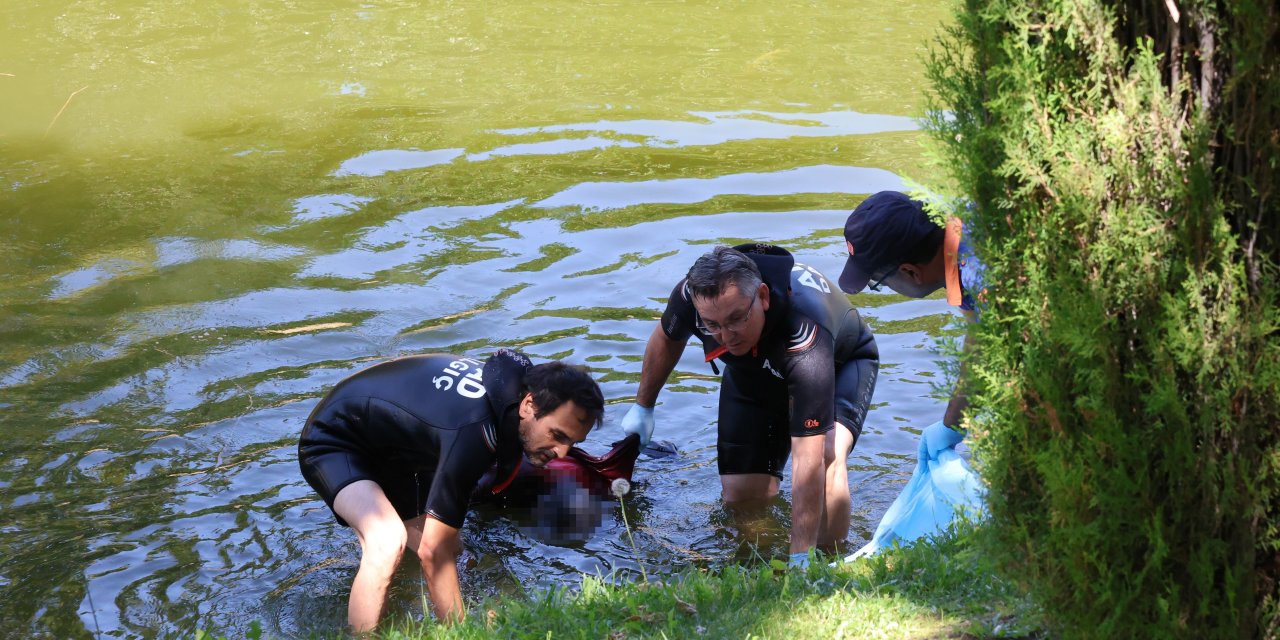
885, 230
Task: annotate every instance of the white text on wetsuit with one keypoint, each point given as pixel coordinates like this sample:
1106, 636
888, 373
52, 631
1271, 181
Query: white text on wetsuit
469, 385
811, 278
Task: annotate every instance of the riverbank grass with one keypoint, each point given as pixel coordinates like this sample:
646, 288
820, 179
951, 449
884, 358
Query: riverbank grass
941, 588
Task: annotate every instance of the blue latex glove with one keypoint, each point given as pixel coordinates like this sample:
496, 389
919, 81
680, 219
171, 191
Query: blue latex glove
935, 439
798, 560
942, 484
639, 420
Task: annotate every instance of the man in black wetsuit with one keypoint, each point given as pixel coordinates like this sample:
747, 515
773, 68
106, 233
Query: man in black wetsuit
397, 449
800, 367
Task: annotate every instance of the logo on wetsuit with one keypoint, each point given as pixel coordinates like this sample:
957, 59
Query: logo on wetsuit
469, 385
811, 278
771, 369
810, 423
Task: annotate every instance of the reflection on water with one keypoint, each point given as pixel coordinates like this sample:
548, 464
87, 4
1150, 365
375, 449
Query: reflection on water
708, 128
376, 163
817, 179
189, 271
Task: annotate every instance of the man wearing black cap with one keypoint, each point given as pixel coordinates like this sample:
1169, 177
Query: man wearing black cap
800, 367
893, 243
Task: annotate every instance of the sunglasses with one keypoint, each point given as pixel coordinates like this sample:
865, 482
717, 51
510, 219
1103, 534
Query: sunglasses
880, 281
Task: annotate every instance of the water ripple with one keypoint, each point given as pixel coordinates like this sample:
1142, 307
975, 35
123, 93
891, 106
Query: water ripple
376, 163
598, 196
719, 127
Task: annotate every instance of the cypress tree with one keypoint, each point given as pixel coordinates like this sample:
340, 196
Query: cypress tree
1121, 158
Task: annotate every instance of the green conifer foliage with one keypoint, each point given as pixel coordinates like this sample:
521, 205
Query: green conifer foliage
1122, 161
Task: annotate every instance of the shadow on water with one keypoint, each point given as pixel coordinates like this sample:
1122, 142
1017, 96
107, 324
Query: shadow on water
186, 277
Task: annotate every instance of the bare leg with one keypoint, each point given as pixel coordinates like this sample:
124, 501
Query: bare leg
748, 487
382, 539
836, 516
746, 502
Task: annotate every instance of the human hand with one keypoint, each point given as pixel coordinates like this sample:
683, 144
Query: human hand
639, 420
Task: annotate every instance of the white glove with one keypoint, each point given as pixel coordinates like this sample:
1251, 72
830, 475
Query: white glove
639, 420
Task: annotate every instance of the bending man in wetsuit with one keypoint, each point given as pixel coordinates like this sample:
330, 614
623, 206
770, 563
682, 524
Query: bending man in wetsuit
800, 367
396, 450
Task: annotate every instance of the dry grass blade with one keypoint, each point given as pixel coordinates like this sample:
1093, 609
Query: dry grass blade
686, 607
310, 327
64, 108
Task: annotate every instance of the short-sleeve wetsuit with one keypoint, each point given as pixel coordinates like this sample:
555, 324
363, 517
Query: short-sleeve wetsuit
425, 428
815, 364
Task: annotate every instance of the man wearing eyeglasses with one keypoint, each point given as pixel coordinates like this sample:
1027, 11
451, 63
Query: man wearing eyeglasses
800, 368
893, 243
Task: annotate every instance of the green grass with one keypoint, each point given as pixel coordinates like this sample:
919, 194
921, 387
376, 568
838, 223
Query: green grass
941, 588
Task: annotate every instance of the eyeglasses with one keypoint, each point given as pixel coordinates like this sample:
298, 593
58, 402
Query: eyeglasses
884, 276
734, 325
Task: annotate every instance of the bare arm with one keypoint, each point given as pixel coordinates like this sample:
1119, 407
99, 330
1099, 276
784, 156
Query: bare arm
808, 488
439, 550
959, 398
660, 357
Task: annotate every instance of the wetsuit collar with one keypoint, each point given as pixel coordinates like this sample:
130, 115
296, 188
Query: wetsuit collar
510, 453
504, 386
721, 350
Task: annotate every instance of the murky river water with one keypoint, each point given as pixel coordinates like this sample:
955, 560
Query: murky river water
212, 212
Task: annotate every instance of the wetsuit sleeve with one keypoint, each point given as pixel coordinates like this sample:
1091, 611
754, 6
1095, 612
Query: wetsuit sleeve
811, 380
678, 319
464, 458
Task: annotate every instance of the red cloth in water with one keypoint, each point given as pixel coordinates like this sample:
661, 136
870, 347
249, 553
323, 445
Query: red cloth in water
597, 472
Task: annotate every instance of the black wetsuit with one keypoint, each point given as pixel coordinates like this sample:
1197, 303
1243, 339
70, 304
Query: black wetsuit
815, 364
425, 428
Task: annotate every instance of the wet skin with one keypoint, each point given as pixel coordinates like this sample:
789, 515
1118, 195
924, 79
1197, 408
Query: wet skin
909, 280
551, 435
740, 317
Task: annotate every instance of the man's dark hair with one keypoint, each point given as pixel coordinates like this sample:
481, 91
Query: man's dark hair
712, 273
554, 383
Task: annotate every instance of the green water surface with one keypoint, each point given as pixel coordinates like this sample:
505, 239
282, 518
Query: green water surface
212, 211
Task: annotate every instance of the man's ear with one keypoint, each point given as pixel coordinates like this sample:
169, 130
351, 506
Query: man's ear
527, 409
911, 272
763, 293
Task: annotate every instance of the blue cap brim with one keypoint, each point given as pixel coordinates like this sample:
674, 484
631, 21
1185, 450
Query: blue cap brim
853, 279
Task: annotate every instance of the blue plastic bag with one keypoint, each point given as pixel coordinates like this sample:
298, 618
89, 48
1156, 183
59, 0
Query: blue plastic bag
942, 484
